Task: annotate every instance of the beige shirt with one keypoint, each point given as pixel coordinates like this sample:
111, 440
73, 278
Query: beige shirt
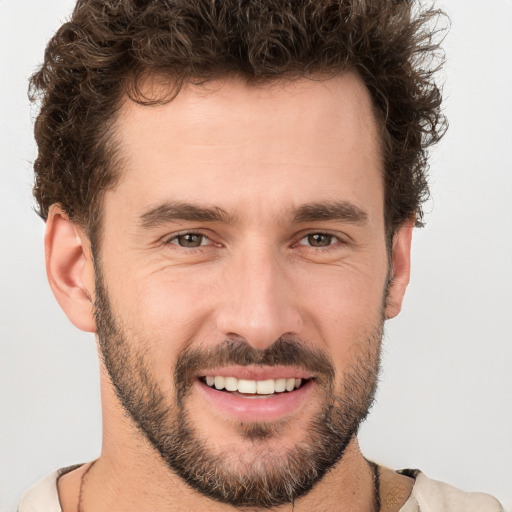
427, 496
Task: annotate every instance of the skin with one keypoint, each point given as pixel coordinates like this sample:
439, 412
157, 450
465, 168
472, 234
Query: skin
256, 277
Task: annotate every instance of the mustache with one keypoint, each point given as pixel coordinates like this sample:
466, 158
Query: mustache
285, 351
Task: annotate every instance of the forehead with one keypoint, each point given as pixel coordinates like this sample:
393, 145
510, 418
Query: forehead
238, 144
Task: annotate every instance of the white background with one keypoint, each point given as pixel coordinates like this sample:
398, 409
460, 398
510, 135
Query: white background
445, 400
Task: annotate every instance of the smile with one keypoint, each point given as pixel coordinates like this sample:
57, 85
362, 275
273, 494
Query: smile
253, 387
256, 395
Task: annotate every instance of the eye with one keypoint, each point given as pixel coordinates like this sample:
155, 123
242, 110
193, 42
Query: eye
190, 240
319, 240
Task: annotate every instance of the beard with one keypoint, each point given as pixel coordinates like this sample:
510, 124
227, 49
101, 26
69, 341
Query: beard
259, 477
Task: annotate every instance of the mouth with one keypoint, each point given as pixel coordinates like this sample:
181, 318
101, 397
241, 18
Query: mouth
256, 395
253, 388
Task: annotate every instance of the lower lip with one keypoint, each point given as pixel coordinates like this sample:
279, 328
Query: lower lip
262, 408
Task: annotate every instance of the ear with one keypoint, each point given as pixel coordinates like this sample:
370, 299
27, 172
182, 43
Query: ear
400, 269
70, 269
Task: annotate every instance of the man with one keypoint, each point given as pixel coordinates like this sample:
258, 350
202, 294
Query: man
230, 190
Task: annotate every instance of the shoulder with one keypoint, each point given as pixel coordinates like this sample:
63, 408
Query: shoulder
44, 496
433, 496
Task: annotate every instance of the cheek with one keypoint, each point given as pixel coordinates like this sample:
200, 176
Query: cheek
342, 306
166, 310
345, 294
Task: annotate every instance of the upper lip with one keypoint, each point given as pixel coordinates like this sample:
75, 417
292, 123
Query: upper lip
258, 372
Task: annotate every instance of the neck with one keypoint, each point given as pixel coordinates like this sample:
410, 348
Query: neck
114, 485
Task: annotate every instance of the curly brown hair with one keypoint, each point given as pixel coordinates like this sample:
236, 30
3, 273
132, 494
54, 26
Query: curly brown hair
108, 47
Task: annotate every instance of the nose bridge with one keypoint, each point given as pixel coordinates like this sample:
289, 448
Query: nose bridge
258, 304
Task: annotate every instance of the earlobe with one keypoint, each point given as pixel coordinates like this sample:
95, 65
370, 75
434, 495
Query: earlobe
400, 269
70, 268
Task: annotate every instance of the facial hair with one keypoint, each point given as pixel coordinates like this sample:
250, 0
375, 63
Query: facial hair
268, 479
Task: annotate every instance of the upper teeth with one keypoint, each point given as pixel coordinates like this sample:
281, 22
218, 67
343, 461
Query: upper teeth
259, 387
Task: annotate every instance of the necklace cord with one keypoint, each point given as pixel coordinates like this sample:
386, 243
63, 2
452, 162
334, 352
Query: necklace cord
376, 486
80, 506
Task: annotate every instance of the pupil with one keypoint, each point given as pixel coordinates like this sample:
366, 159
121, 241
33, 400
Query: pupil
319, 240
190, 240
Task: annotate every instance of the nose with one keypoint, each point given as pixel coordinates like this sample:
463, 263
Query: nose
259, 304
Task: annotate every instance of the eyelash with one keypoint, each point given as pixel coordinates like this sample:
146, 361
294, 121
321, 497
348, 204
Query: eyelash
170, 240
331, 247
201, 247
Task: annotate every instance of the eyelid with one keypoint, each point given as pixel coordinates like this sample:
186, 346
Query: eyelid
168, 239
340, 239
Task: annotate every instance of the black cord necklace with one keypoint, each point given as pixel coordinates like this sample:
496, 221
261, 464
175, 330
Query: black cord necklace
376, 485
82, 485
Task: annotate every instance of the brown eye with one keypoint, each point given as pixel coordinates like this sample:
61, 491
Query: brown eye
319, 239
189, 240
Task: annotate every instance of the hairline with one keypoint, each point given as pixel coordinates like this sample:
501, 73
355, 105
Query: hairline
131, 91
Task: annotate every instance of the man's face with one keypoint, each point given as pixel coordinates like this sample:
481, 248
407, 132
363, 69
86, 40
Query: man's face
244, 247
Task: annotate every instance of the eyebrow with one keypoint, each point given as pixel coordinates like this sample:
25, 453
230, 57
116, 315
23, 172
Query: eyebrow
343, 211
172, 211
